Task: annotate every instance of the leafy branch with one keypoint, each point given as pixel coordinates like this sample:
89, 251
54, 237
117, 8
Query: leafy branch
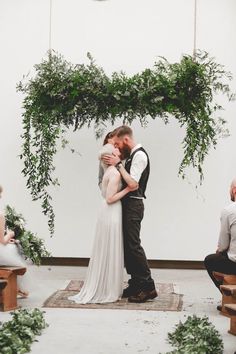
30, 245
62, 95
17, 335
196, 335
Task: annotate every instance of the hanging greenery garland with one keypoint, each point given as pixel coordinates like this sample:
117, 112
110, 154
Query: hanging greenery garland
62, 95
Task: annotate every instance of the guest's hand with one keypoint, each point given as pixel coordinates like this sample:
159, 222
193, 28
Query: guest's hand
11, 234
8, 236
111, 160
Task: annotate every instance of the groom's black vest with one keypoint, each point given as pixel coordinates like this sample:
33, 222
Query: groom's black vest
140, 192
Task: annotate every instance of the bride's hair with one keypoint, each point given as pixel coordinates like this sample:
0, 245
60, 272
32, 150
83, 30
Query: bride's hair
107, 149
109, 135
1, 190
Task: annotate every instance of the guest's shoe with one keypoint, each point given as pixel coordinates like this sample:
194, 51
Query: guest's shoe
219, 307
143, 296
22, 294
130, 291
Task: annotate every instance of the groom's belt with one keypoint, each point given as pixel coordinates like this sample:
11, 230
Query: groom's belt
132, 197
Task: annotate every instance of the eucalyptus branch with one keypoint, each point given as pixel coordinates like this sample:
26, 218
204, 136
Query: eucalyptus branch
196, 335
18, 334
30, 245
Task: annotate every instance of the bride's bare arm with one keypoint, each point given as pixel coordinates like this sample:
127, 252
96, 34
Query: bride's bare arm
112, 194
4, 239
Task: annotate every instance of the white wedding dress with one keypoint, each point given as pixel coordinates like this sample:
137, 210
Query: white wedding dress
104, 279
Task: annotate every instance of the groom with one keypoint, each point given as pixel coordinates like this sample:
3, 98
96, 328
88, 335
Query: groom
135, 174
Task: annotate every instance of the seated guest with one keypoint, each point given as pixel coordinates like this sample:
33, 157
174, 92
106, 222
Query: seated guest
224, 260
9, 254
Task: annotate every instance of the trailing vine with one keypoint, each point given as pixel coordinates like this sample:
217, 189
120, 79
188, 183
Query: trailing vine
61, 95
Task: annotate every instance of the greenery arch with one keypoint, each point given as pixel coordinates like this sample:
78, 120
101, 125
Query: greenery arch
62, 95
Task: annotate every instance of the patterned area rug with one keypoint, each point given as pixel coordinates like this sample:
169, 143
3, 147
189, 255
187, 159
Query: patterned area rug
167, 300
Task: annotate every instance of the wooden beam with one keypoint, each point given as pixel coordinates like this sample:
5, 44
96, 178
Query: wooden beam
153, 263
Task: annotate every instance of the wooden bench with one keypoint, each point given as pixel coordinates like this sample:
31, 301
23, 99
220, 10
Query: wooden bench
8, 297
225, 279
228, 296
3, 283
231, 310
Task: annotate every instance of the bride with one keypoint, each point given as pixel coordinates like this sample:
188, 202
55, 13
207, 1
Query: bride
104, 279
9, 254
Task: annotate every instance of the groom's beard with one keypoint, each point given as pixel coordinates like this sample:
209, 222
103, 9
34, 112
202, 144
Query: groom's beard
125, 152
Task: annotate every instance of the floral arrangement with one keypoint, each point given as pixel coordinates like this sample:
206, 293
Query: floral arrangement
31, 246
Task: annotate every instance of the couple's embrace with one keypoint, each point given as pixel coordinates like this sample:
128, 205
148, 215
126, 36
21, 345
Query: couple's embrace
117, 237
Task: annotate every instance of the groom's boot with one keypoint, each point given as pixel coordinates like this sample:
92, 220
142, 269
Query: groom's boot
143, 296
130, 291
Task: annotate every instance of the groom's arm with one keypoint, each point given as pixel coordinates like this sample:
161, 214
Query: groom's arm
130, 181
115, 161
138, 165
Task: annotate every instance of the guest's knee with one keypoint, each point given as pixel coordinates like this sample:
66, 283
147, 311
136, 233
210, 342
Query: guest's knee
212, 261
208, 260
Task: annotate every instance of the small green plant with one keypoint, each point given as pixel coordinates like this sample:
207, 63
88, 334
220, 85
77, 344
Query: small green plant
196, 336
64, 95
17, 335
31, 245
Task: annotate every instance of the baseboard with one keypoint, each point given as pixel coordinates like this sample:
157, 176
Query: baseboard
153, 263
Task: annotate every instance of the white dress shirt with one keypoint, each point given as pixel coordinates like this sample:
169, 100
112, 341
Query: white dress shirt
139, 163
227, 238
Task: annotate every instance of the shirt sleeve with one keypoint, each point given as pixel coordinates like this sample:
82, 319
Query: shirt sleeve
138, 165
224, 238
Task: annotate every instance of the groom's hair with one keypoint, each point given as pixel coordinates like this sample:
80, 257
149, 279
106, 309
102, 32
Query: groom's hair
123, 130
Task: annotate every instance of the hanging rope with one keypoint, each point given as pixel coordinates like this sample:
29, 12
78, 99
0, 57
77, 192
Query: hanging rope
50, 28
195, 30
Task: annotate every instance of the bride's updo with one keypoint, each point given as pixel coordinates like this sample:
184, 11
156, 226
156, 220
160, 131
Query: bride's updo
1, 190
107, 149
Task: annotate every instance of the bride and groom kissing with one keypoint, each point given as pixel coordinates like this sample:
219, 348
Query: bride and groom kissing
124, 172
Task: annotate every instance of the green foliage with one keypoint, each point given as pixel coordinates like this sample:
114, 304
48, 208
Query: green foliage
17, 335
32, 246
196, 336
62, 95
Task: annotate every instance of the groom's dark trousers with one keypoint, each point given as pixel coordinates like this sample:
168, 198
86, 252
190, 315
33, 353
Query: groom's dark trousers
135, 258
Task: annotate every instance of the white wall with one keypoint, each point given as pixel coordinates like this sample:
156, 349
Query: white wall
129, 35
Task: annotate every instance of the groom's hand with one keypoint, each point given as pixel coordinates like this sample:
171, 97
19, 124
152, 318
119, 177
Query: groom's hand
111, 159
